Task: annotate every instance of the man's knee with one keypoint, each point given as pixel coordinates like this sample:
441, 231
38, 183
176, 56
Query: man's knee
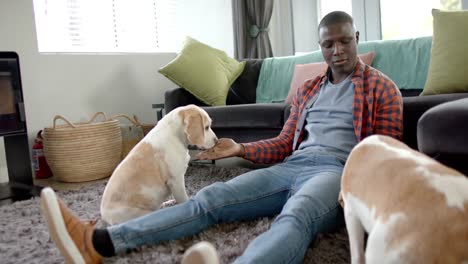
307, 208
211, 194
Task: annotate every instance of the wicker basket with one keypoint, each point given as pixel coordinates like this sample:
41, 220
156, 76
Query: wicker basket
146, 127
83, 151
131, 134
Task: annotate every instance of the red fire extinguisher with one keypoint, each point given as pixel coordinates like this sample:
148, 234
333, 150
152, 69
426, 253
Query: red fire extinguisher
41, 168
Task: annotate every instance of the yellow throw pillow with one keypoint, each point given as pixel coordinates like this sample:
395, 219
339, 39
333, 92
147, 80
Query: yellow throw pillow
448, 68
205, 72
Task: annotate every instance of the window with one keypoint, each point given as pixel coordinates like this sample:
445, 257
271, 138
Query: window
327, 6
131, 26
399, 18
104, 25
305, 16
375, 19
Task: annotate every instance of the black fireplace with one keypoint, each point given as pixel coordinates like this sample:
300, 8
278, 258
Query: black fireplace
14, 132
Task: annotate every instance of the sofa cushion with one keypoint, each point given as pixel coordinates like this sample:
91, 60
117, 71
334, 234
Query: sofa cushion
243, 90
411, 92
448, 67
179, 97
405, 61
247, 116
204, 71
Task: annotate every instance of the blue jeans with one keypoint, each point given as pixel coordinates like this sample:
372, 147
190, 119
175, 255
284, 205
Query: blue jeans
303, 191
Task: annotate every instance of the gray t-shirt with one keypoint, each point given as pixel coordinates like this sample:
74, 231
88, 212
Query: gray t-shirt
329, 122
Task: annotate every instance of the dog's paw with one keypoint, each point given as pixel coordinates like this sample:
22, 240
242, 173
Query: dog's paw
168, 203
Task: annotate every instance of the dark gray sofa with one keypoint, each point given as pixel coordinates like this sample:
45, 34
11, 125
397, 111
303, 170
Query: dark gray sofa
443, 133
244, 120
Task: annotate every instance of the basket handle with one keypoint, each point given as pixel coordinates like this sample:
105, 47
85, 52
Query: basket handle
96, 115
74, 126
136, 120
133, 120
64, 119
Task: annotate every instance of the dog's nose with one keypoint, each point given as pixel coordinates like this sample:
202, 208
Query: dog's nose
216, 140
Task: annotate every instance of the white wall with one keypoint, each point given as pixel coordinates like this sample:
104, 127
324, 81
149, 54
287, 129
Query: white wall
205, 25
77, 86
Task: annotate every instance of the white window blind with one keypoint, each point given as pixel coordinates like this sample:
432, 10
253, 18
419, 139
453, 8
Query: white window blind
106, 25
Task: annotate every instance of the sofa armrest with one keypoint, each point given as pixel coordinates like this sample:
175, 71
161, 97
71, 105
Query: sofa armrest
442, 134
415, 106
179, 97
443, 129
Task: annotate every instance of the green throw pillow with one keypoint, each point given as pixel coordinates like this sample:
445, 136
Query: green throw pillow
448, 68
205, 72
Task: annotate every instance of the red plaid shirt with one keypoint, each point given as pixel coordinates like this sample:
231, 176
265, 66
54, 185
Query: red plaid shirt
377, 109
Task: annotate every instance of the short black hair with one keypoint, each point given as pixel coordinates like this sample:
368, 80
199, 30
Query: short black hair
335, 17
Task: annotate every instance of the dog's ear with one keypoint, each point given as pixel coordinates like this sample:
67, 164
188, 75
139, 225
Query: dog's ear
194, 128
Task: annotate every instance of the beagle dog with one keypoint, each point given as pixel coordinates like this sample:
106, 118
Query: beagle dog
414, 209
156, 166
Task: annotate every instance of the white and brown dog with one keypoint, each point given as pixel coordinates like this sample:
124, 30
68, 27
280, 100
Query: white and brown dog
414, 209
156, 166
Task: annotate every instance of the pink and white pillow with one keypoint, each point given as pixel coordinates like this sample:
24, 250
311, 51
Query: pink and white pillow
303, 72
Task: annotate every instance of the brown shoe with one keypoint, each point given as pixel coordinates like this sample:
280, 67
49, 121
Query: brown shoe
72, 236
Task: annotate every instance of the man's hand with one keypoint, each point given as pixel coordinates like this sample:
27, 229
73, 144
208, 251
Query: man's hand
225, 148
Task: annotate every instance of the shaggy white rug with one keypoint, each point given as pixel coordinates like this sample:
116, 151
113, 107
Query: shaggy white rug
24, 237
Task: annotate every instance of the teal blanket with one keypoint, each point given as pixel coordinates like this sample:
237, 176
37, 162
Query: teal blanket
406, 62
